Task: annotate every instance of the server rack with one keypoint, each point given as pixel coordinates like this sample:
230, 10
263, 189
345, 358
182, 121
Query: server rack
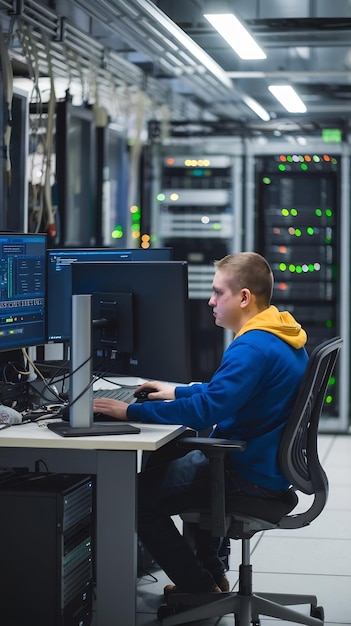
297, 214
76, 171
297, 231
196, 214
46, 550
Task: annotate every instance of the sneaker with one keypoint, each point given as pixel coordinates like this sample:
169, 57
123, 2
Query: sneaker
223, 586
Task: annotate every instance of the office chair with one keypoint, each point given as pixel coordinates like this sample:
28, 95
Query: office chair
240, 517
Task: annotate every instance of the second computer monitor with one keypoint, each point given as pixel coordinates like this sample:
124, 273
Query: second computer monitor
59, 286
156, 295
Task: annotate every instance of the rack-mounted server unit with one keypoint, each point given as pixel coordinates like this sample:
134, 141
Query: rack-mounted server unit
46, 550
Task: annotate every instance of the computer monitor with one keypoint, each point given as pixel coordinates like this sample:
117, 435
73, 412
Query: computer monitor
157, 325
59, 285
23, 290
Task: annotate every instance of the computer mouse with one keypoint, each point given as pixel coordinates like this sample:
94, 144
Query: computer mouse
143, 394
8, 415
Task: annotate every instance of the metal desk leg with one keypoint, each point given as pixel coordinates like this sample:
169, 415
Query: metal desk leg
116, 538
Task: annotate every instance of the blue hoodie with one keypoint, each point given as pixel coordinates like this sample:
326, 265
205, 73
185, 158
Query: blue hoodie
249, 397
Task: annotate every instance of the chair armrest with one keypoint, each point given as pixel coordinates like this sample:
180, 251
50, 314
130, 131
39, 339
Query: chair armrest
215, 450
211, 445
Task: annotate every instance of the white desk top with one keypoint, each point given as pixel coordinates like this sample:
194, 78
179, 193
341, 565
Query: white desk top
33, 435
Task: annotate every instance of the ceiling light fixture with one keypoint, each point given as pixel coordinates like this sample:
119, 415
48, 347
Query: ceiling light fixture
236, 35
288, 97
257, 108
164, 22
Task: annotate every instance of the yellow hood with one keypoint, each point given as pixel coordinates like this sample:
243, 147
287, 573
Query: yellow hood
280, 323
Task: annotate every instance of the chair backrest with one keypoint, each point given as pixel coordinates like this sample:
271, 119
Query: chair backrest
298, 452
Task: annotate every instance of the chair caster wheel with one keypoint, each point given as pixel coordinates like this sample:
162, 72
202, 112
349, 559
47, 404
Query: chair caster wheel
317, 612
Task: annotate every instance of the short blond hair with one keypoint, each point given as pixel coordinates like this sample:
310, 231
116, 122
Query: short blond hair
248, 270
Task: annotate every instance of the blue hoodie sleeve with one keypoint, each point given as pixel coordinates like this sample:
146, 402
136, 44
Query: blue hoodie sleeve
185, 391
200, 406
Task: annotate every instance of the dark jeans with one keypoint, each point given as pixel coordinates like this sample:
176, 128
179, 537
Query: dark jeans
168, 485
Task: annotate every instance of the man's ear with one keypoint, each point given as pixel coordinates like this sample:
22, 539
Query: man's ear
245, 297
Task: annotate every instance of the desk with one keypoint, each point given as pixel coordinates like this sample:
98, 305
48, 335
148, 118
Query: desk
113, 459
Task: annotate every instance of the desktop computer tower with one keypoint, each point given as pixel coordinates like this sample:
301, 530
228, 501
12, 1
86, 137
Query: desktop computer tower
46, 550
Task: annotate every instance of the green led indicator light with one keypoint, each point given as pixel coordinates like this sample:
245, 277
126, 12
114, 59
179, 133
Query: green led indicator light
318, 212
310, 230
329, 399
217, 226
298, 269
117, 232
328, 212
285, 212
293, 212
281, 167
282, 267
161, 197
303, 166
266, 180
329, 324
291, 268
289, 158
298, 232
310, 267
332, 381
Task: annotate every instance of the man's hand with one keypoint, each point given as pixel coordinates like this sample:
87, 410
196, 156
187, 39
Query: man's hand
163, 391
108, 406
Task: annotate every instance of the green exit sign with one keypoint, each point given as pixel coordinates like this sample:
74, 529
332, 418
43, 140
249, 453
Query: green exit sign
332, 135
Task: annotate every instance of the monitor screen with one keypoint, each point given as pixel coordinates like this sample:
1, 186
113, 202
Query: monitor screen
23, 297
155, 342
59, 286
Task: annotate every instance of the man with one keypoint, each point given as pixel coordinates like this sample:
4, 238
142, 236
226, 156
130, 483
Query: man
249, 397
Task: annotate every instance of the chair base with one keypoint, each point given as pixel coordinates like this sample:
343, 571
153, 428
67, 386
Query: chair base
246, 608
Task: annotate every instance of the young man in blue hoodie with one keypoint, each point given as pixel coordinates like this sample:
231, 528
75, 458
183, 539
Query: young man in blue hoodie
249, 397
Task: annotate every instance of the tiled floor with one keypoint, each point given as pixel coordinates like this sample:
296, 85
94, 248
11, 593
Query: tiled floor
316, 559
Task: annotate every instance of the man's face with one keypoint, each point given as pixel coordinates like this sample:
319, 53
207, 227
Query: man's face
225, 304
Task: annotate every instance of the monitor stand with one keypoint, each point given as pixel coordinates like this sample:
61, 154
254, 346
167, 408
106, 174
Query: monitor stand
81, 415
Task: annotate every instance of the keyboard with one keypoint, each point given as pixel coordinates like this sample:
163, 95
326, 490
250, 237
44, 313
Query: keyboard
124, 394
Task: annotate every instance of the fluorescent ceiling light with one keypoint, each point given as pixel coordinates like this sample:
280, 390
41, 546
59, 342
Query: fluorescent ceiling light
257, 108
288, 97
189, 44
236, 35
